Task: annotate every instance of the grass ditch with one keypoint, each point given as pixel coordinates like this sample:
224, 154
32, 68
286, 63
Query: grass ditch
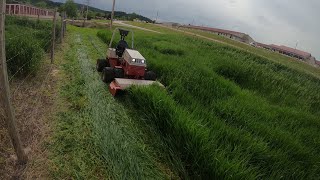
260, 115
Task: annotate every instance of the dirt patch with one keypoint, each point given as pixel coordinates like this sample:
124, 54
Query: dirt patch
33, 99
88, 24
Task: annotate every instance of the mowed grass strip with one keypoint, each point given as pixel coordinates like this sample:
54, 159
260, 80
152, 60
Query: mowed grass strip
264, 110
94, 136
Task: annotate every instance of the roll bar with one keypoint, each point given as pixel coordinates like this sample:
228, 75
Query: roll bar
123, 34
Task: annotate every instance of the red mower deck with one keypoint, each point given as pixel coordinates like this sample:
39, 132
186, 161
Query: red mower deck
121, 84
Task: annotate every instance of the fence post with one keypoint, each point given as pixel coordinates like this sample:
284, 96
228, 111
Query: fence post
65, 24
62, 27
53, 35
5, 93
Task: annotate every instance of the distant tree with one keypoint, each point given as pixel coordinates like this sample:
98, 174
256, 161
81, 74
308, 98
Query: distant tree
27, 1
91, 15
98, 14
71, 8
105, 14
41, 4
108, 16
61, 8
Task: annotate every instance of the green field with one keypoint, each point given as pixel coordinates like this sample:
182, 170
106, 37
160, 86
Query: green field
272, 56
225, 114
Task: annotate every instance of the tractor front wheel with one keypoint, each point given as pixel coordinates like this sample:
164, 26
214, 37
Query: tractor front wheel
107, 75
102, 63
150, 75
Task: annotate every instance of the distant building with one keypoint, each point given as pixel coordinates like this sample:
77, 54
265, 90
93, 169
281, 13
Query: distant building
238, 36
295, 53
170, 24
138, 20
27, 10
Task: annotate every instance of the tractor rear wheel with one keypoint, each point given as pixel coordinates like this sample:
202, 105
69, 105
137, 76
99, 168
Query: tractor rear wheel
119, 73
108, 75
102, 63
150, 75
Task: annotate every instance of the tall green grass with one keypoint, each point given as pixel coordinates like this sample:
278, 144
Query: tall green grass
95, 138
230, 113
26, 43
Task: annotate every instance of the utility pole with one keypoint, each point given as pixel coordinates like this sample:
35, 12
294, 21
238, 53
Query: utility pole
296, 45
82, 11
157, 16
5, 93
112, 13
88, 1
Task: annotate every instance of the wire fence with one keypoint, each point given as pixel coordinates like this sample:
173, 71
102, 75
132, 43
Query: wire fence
28, 61
29, 74
21, 59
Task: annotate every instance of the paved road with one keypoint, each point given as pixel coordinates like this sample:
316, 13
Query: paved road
121, 23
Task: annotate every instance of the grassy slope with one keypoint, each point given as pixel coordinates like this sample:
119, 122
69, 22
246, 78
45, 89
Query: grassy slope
229, 113
95, 138
272, 56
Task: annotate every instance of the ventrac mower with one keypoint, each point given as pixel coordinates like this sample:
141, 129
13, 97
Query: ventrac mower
124, 66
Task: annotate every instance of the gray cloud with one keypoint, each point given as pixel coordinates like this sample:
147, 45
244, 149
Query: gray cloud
270, 21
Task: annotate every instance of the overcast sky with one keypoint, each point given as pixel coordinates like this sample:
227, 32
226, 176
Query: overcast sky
282, 22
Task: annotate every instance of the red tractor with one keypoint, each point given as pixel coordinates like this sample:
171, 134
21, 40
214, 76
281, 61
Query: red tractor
124, 66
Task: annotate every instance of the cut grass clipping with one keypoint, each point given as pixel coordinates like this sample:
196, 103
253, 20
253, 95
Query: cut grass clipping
229, 113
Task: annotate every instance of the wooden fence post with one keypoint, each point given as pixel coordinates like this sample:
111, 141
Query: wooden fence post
5, 93
53, 35
62, 27
65, 24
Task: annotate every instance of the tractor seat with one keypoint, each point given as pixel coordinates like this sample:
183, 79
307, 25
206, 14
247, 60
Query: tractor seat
121, 47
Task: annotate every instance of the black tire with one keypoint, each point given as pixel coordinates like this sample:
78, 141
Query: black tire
119, 73
150, 75
107, 75
102, 63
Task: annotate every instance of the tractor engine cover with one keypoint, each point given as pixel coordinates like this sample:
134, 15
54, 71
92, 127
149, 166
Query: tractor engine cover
134, 58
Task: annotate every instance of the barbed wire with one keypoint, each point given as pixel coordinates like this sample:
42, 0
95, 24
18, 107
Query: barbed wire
26, 77
39, 98
23, 81
20, 35
23, 65
24, 50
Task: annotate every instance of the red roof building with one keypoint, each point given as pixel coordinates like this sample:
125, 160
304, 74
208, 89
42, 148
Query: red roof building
286, 51
291, 52
266, 46
27, 10
239, 34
